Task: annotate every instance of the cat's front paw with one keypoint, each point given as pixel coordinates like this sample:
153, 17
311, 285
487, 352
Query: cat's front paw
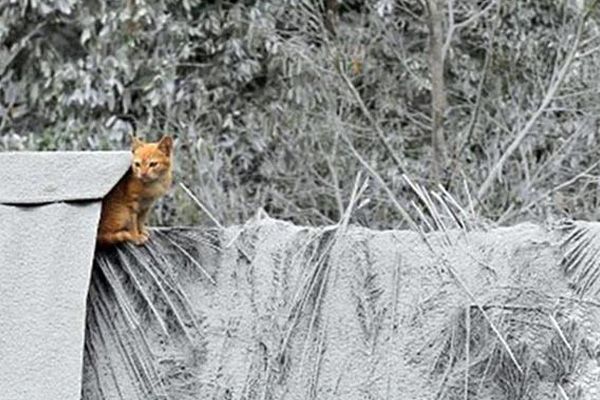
145, 234
140, 239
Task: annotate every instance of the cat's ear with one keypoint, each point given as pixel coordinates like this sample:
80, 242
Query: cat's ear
166, 145
135, 143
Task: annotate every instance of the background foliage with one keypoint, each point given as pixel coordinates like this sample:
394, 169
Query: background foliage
280, 104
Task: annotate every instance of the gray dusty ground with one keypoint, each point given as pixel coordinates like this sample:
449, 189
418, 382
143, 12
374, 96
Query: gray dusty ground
297, 313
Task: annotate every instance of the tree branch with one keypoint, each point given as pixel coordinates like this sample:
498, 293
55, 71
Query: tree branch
19, 47
549, 96
369, 116
453, 26
461, 144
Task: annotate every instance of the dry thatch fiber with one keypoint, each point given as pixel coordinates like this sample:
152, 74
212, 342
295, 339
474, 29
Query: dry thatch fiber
270, 310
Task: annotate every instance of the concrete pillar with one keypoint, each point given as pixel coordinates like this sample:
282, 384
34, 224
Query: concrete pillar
49, 211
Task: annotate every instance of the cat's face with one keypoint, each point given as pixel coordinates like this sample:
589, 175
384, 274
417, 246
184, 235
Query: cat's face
151, 160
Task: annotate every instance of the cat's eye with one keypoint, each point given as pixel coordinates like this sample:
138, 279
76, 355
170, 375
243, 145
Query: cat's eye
152, 164
137, 164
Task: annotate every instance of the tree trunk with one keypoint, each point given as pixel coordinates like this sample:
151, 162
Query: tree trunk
438, 95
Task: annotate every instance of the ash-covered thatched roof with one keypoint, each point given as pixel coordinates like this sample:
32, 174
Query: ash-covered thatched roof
275, 311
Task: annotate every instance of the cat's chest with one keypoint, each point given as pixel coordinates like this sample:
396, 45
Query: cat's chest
145, 203
152, 192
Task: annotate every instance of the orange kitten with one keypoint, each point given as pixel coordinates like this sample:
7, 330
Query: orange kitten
127, 205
